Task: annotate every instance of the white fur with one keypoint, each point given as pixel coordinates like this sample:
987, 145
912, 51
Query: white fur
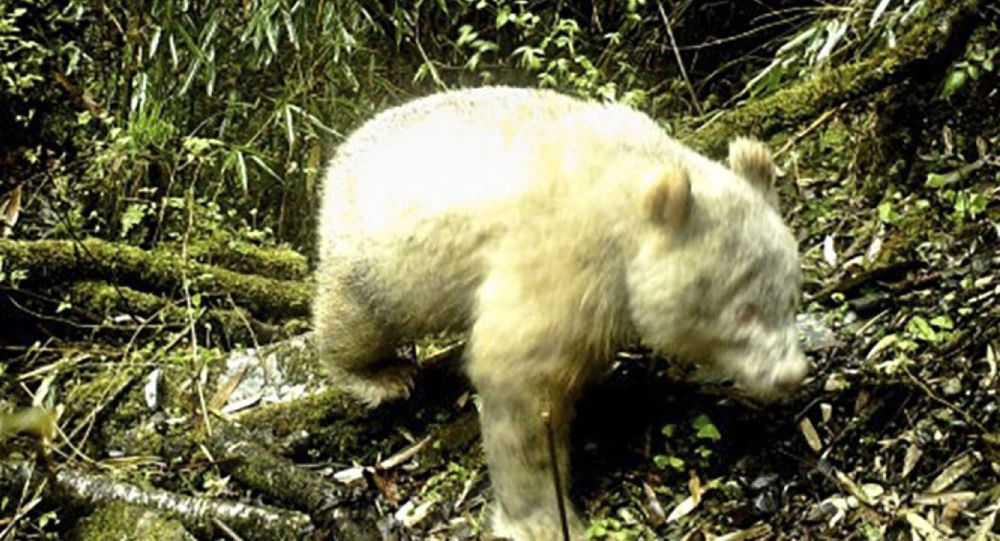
519, 216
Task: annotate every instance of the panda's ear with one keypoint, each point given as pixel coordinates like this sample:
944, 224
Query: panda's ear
752, 160
668, 197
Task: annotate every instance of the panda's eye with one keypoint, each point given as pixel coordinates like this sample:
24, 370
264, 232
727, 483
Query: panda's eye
747, 313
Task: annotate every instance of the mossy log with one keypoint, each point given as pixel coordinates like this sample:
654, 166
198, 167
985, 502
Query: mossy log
243, 257
337, 425
929, 45
319, 416
47, 263
202, 515
927, 48
99, 310
255, 466
107, 300
117, 520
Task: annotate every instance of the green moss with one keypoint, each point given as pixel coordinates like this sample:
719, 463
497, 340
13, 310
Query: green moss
224, 251
792, 107
234, 326
105, 385
329, 410
117, 521
104, 298
52, 261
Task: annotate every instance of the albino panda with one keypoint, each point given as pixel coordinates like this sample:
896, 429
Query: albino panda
553, 231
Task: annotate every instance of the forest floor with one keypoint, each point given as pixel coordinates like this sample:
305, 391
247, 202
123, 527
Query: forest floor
896, 433
894, 197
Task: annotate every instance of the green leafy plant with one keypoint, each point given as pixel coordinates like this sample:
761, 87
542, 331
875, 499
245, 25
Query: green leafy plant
888, 213
966, 203
978, 60
22, 61
938, 329
688, 446
11, 277
848, 33
612, 528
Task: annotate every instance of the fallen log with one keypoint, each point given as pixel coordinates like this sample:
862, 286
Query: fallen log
85, 490
253, 465
98, 310
930, 45
45, 263
243, 257
117, 520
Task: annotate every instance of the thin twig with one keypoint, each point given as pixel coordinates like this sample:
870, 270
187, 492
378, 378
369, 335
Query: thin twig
423, 55
226, 529
680, 62
79, 244
243, 319
199, 388
23, 509
547, 421
112, 394
815, 124
933, 396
